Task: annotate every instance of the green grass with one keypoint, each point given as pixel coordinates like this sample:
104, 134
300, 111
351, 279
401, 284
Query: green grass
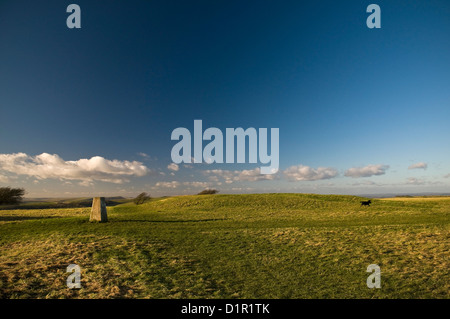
231, 246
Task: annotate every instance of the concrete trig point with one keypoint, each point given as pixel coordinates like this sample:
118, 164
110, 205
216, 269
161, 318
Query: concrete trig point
98, 212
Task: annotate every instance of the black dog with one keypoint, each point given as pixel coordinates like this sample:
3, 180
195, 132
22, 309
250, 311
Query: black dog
366, 202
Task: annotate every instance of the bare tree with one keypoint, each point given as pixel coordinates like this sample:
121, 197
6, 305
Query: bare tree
141, 198
11, 196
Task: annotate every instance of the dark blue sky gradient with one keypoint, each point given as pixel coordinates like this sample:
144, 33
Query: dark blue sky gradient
342, 95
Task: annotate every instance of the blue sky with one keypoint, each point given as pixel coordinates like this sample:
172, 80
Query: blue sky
90, 111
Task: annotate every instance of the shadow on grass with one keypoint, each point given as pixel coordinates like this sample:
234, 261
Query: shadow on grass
169, 221
13, 218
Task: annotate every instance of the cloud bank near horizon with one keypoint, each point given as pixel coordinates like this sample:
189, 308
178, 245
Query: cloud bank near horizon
420, 165
306, 173
65, 176
230, 176
367, 171
52, 166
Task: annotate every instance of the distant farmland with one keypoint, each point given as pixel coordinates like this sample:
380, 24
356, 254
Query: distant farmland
231, 246
62, 203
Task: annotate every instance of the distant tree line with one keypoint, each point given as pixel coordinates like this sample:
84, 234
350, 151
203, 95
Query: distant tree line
208, 192
11, 196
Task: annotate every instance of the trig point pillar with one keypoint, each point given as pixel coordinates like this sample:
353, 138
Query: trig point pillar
98, 212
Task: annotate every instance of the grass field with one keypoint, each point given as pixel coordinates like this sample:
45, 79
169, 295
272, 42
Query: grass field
231, 246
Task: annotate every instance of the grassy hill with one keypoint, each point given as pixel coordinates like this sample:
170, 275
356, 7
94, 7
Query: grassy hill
231, 246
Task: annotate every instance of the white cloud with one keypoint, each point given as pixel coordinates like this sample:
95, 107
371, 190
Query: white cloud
306, 173
366, 183
415, 181
85, 183
173, 184
147, 157
198, 184
251, 175
48, 166
4, 179
173, 167
366, 171
144, 155
447, 176
421, 165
